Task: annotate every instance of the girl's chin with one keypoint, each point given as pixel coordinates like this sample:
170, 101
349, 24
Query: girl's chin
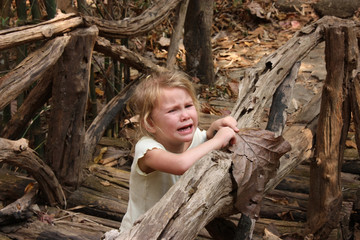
187, 138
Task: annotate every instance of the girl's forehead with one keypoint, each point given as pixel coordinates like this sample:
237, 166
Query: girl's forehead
173, 92
172, 95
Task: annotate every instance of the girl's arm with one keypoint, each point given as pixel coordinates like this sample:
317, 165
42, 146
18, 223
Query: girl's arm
178, 163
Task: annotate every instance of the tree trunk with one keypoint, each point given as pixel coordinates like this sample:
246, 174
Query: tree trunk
341, 55
197, 41
67, 118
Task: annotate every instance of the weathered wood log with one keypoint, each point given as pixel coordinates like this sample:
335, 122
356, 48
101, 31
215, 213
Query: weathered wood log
138, 25
297, 181
281, 101
276, 123
18, 154
67, 116
341, 54
12, 185
271, 71
30, 70
104, 192
62, 23
60, 224
124, 55
19, 210
300, 134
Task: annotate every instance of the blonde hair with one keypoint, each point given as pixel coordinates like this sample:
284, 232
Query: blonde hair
148, 91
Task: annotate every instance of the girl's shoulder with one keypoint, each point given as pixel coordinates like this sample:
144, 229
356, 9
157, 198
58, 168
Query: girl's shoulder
147, 143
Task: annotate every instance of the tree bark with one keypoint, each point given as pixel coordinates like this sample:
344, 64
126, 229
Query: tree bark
197, 41
67, 117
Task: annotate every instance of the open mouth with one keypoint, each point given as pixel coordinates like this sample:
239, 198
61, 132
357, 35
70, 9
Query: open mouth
186, 128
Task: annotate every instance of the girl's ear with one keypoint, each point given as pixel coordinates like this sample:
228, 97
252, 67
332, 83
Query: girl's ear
149, 125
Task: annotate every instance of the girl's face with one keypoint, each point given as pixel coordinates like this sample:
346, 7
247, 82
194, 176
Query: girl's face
174, 119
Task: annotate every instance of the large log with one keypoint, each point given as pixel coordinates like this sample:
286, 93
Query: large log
12, 185
271, 71
62, 23
30, 70
104, 192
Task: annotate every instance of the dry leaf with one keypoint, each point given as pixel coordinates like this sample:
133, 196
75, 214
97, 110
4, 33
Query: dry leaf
350, 144
99, 92
100, 156
256, 157
269, 235
256, 9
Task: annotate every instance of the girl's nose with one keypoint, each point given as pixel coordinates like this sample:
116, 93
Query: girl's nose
184, 115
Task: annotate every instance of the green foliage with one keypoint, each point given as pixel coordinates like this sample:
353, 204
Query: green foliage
4, 22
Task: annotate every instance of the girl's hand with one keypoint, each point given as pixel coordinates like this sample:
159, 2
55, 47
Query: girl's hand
220, 123
224, 137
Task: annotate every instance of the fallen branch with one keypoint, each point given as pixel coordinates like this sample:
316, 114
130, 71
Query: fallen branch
18, 153
134, 26
31, 69
15, 36
124, 55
